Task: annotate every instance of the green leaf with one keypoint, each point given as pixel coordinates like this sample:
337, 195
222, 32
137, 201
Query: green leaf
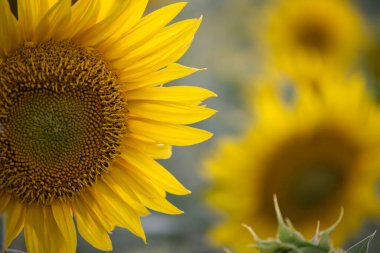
362, 246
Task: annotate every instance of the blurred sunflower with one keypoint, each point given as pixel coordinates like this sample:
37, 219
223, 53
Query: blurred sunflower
84, 115
316, 154
307, 37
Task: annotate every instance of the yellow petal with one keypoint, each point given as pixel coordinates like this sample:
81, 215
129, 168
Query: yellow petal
146, 28
107, 7
91, 231
84, 15
160, 59
29, 15
35, 231
167, 133
9, 35
151, 56
53, 22
166, 38
55, 239
138, 181
121, 213
160, 204
129, 176
95, 211
124, 16
154, 171
124, 192
64, 219
155, 150
14, 221
179, 94
171, 72
169, 112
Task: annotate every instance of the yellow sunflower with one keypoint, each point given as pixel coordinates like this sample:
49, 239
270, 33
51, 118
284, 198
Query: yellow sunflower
306, 37
84, 115
316, 154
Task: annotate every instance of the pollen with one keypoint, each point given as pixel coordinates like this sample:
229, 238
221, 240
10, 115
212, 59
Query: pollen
62, 119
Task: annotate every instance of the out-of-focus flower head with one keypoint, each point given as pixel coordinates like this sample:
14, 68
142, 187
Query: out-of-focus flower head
314, 151
306, 37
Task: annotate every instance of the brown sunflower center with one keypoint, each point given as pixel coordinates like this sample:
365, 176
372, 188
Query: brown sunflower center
309, 173
314, 35
61, 120
313, 185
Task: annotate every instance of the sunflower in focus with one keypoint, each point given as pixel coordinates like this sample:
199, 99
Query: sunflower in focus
316, 153
84, 114
306, 37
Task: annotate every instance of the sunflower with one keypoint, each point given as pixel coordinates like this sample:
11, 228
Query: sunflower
306, 37
84, 116
317, 153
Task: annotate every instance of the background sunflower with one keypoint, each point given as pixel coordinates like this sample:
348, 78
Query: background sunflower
227, 45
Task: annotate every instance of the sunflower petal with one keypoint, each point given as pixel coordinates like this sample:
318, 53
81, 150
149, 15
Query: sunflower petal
173, 113
146, 28
56, 240
35, 231
29, 15
84, 15
64, 220
168, 133
9, 36
147, 58
160, 205
14, 222
154, 171
90, 230
139, 182
127, 13
179, 94
168, 37
95, 211
155, 150
124, 193
171, 72
122, 214
53, 22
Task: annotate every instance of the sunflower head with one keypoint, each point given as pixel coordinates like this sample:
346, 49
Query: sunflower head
309, 152
321, 33
85, 114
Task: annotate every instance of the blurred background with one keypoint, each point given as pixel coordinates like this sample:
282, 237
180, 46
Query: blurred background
231, 46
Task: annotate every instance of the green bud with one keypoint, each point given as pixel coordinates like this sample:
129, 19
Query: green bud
289, 240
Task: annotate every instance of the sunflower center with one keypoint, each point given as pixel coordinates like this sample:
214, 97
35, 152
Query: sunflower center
314, 185
62, 118
313, 35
